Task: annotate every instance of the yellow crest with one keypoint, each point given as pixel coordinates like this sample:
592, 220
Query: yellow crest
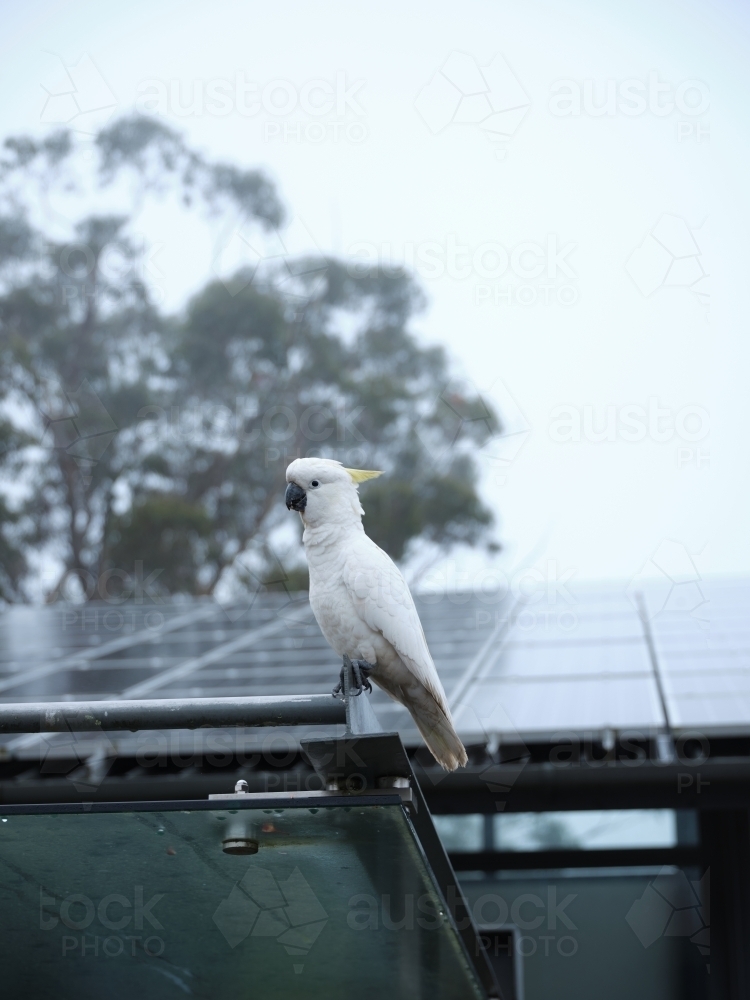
362, 475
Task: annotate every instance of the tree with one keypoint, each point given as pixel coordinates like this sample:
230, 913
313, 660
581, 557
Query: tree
149, 444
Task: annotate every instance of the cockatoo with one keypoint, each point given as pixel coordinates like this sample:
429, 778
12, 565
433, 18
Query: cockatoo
362, 602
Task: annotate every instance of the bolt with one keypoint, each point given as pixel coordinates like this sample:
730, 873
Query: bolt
393, 782
240, 845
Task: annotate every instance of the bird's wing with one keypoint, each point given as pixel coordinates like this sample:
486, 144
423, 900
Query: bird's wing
382, 599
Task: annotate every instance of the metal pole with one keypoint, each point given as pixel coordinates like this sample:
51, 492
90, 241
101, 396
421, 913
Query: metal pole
171, 713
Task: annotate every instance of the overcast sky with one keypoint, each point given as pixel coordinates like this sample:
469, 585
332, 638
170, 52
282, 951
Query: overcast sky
568, 180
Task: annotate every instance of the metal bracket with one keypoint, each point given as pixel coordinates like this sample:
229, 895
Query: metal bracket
360, 717
317, 797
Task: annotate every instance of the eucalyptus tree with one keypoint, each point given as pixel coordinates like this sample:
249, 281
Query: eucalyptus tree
144, 449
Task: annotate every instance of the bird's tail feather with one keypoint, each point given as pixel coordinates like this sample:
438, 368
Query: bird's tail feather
441, 738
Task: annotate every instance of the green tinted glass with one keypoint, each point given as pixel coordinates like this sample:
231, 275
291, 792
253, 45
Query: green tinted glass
337, 902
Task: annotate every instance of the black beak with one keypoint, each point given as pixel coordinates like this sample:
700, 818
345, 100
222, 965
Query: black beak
296, 498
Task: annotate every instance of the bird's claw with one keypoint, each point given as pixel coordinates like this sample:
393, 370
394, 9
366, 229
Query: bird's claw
360, 673
361, 670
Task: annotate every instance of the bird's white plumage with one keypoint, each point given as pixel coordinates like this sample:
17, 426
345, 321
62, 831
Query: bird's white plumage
363, 604
383, 600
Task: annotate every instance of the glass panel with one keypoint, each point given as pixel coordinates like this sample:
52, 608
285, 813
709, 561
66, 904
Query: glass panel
588, 830
337, 901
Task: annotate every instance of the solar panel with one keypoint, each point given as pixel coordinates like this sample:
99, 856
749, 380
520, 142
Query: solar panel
602, 659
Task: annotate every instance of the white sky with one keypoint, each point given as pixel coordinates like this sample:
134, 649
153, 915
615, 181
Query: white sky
600, 509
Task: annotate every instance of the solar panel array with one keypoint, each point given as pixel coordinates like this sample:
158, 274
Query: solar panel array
668, 657
706, 671
599, 658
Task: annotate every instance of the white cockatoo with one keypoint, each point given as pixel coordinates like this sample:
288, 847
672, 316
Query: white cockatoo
362, 602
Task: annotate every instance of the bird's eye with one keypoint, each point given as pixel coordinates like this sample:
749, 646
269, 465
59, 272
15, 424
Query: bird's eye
315, 483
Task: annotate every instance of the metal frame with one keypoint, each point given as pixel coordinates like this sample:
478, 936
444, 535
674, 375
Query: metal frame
370, 761
529, 778
626, 857
513, 934
365, 763
192, 713
171, 713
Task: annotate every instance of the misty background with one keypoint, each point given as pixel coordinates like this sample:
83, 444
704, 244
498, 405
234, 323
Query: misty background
566, 188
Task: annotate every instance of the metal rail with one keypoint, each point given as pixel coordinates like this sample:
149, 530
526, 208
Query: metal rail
171, 713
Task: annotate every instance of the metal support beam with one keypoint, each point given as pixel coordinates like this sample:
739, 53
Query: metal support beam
494, 861
171, 713
360, 717
372, 761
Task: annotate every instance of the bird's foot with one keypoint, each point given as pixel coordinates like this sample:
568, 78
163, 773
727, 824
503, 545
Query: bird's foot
361, 670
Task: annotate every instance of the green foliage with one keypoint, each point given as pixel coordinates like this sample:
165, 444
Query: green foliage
165, 534
151, 444
443, 509
13, 565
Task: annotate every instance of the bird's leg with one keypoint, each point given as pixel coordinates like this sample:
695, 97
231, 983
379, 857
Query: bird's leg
360, 671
